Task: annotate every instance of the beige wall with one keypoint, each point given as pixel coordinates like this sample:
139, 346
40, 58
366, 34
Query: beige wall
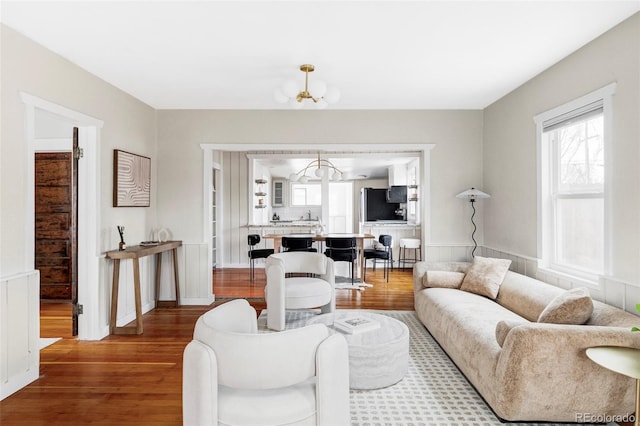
128, 124
509, 142
455, 160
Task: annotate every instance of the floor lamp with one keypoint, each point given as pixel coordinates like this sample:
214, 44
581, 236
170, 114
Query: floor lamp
472, 195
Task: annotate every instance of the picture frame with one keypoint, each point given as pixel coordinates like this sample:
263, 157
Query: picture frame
131, 179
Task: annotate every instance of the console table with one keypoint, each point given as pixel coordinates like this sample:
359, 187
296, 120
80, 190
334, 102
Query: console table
135, 253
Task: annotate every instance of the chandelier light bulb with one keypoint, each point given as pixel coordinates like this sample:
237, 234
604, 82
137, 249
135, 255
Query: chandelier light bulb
317, 88
303, 179
290, 89
315, 92
332, 95
293, 177
319, 172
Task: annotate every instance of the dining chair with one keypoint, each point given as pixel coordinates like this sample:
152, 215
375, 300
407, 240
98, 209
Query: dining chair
298, 244
342, 249
385, 254
253, 240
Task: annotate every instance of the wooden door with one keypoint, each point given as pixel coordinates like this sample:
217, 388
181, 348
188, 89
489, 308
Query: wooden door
53, 230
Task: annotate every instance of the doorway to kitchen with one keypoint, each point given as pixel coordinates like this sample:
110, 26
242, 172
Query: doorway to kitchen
340, 207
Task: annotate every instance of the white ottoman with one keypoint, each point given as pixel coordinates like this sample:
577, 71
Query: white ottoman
377, 358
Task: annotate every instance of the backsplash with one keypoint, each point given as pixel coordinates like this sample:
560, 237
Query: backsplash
297, 213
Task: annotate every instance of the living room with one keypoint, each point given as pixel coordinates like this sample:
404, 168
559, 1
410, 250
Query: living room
492, 146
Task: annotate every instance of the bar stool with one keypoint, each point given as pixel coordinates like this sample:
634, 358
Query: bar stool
409, 244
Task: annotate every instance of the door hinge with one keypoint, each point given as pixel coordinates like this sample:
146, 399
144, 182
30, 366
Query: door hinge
78, 153
79, 309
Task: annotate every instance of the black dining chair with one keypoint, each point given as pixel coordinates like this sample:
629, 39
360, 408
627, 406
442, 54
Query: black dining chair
342, 249
253, 240
385, 254
298, 244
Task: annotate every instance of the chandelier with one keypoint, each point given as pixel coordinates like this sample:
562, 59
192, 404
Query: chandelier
321, 167
315, 93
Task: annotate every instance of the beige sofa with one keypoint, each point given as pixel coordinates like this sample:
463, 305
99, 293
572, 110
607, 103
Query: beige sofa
541, 372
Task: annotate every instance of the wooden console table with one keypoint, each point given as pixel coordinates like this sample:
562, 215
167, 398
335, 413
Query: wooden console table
135, 253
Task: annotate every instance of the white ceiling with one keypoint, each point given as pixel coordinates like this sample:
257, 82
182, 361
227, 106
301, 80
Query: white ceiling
381, 55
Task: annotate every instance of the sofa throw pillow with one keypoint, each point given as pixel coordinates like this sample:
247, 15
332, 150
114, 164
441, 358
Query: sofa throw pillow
569, 307
485, 276
504, 327
442, 279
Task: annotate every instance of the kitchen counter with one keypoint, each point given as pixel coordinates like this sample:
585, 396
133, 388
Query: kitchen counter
390, 223
286, 224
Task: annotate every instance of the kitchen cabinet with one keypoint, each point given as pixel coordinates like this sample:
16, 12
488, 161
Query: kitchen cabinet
278, 193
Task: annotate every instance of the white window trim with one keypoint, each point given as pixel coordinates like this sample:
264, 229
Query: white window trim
543, 176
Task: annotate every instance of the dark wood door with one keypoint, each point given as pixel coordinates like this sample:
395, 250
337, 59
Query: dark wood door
53, 233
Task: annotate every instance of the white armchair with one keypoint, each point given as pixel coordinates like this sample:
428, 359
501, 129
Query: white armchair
233, 375
283, 293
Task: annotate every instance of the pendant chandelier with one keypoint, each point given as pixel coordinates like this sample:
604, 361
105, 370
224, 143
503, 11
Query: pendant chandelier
315, 93
321, 167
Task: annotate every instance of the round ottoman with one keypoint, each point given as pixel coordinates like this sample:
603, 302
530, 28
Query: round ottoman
377, 358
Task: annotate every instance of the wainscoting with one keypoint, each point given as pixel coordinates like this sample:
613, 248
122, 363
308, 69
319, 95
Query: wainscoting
609, 290
19, 331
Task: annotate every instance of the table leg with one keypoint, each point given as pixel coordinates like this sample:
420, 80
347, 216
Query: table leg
360, 244
136, 290
114, 296
158, 275
176, 280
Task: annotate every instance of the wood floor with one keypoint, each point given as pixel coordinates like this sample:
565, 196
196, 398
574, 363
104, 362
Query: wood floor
137, 380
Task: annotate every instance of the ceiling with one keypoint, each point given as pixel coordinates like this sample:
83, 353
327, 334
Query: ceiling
379, 54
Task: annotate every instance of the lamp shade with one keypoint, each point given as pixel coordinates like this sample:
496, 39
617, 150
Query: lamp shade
473, 194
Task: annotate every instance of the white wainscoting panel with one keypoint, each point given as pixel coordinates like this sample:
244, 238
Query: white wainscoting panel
19, 331
609, 290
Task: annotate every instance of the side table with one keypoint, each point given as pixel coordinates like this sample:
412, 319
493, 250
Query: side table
622, 360
135, 253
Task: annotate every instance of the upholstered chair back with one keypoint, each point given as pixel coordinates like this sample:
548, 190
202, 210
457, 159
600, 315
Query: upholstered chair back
300, 262
283, 358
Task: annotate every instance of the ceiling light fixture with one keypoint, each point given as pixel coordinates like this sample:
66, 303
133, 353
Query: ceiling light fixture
321, 97
321, 166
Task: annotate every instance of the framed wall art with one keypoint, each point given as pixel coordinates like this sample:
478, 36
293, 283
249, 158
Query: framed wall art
131, 179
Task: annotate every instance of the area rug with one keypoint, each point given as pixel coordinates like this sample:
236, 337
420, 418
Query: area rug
345, 283
433, 393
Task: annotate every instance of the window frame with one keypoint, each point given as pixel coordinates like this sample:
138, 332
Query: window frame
546, 232
293, 195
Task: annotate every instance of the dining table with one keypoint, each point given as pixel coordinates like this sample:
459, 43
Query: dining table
277, 242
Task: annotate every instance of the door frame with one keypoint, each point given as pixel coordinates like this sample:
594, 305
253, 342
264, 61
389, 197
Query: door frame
424, 190
89, 129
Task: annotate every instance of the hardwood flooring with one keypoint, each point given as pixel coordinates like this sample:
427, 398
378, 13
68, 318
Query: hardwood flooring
129, 380
137, 380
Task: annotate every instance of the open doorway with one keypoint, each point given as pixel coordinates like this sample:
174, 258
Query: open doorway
88, 136
56, 213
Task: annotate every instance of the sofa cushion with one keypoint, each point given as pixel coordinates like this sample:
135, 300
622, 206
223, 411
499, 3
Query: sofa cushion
570, 307
485, 275
442, 279
504, 327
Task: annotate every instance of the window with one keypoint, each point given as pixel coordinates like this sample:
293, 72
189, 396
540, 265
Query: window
572, 146
306, 194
